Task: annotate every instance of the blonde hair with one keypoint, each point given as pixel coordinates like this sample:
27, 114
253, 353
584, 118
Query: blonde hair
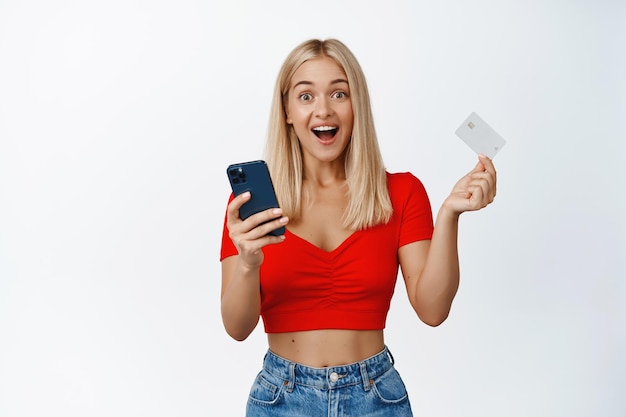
368, 198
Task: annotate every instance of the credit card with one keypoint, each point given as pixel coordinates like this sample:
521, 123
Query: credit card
480, 136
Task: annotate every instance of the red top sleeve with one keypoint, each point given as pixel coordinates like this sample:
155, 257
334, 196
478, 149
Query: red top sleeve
410, 200
228, 248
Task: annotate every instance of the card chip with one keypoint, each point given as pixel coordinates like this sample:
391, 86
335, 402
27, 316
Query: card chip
471, 125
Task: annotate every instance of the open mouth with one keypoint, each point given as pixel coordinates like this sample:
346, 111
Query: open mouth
325, 133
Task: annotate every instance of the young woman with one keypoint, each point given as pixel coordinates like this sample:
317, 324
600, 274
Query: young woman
324, 288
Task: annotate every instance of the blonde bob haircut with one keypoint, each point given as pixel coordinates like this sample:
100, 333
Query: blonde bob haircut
368, 198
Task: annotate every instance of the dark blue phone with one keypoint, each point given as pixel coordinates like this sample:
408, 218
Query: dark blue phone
254, 176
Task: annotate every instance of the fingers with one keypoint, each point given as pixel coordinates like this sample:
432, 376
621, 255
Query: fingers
249, 241
252, 221
478, 168
475, 190
482, 184
252, 234
480, 195
484, 164
260, 224
489, 167
487, 163
485, 181
235, 205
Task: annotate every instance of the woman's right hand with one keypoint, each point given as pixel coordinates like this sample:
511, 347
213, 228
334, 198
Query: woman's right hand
251, 235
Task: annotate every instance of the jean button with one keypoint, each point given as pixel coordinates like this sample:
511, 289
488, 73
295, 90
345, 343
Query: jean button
334, 377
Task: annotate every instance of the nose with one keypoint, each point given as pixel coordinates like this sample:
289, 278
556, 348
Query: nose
323, 107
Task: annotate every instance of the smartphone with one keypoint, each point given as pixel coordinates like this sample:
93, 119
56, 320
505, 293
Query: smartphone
254, 176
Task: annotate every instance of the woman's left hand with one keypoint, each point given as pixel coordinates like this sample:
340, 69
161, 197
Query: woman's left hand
475, 190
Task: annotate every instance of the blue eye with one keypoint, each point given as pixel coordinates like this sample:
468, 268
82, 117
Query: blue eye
305, 97
340, 94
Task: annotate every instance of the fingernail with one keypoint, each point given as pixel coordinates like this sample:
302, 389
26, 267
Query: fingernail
284, 220
246, 194
277, 211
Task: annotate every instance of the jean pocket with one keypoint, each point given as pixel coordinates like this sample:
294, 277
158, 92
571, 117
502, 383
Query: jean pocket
265, 390
389, 387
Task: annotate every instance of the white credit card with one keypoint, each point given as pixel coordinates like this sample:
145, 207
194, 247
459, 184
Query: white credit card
480, 136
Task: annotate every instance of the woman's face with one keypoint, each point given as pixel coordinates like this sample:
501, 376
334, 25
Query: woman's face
319, 108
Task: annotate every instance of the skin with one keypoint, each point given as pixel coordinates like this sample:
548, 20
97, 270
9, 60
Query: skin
319, 95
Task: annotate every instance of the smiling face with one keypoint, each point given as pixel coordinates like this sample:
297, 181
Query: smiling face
319, 108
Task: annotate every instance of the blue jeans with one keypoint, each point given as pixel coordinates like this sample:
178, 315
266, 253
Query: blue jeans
371, 388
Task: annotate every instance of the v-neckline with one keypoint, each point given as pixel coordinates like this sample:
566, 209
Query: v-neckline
340, 246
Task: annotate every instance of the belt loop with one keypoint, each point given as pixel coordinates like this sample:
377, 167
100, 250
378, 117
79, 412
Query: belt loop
393, 361
364, 376
292, 377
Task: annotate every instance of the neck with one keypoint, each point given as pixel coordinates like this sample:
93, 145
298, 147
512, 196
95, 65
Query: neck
324, 173
324, 178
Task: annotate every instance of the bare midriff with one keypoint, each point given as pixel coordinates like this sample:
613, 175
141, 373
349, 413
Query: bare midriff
324, 348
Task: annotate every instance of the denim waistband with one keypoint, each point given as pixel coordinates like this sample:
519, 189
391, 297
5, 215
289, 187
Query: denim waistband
361, 372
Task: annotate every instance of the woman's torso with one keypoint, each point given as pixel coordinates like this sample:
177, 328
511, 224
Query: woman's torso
326, 290
321, 224
328, 347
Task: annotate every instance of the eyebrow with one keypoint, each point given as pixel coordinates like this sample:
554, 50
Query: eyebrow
336, 81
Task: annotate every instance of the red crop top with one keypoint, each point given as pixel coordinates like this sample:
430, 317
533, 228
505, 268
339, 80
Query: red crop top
306, 288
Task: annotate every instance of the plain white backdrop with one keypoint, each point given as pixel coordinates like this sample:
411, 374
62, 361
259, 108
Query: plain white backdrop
118, 119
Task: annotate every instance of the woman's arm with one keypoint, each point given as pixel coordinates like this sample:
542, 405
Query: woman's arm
431, 268
241, 297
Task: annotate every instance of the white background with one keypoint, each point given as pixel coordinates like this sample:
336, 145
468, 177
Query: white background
118, 119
